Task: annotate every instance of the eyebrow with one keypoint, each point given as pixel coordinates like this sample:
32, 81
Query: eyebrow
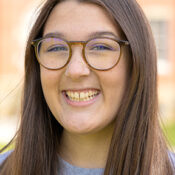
92, 35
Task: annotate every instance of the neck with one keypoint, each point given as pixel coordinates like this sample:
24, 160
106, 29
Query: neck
86, 150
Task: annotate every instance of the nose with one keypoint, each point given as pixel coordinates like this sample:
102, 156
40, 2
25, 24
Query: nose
77, 66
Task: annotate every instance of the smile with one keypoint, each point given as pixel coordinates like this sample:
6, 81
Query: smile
81, 96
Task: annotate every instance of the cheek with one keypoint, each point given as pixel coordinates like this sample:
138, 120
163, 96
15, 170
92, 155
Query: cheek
49, 79
50, 85
115, 80
114, 84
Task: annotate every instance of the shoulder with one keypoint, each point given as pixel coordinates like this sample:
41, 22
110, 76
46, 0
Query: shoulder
172, 158
4, 156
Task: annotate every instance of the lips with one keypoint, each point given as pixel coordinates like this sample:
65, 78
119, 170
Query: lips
80, 96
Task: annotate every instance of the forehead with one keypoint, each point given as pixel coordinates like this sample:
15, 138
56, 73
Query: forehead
74, 19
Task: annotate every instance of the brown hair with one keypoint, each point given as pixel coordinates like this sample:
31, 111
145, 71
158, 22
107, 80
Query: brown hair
137, 146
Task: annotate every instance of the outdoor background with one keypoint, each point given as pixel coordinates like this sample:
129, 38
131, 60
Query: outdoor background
16, 19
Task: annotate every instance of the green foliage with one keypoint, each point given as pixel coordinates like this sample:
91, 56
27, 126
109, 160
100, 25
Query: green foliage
9, 148
169, 131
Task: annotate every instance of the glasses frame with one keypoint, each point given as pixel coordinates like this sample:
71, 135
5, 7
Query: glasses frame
36, 43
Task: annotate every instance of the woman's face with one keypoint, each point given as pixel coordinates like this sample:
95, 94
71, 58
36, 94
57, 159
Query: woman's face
77, 21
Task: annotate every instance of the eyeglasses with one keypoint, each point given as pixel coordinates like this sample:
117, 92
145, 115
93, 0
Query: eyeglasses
101, 53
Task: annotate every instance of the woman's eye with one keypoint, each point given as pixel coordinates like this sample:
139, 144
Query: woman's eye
57, 49
101, 47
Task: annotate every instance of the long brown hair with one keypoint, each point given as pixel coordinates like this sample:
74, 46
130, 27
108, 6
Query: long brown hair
137, 146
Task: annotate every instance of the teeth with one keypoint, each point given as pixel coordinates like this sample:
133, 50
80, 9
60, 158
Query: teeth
76, 95
82, 96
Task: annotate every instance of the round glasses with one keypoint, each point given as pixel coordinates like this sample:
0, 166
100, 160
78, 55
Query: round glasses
101, 53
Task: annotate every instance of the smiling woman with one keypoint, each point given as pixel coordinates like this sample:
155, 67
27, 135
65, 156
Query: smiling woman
90, 95
93, 110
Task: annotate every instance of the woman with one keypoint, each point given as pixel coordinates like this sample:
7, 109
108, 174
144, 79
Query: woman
90, 94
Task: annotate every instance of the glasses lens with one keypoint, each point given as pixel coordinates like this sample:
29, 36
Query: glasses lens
102, 53
53, 53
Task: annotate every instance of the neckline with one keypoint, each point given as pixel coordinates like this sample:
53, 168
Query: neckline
68, 165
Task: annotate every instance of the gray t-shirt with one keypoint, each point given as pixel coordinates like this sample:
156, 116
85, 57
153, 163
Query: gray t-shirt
66, 168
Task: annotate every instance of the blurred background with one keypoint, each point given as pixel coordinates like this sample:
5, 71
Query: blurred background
16, 19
